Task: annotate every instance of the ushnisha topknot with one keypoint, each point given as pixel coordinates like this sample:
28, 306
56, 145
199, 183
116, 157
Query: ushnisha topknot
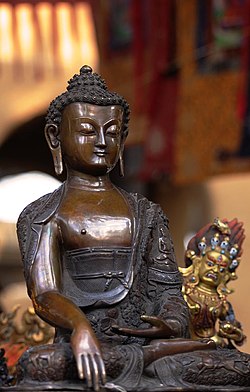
87, 87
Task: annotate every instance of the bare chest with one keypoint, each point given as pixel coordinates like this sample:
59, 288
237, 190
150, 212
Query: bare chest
99, 219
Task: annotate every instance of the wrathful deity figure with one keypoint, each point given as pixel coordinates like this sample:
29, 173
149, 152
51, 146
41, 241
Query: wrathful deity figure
212, 258
100, 267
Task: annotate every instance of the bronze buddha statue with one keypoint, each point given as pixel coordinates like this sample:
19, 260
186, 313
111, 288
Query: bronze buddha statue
100, 267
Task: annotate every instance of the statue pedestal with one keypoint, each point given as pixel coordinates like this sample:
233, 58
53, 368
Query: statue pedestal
116, 388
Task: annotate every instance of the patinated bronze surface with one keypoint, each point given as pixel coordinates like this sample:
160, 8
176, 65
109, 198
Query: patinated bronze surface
100, 267
214, 253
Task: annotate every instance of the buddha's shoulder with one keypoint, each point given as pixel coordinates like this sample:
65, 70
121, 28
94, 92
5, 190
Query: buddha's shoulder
142, 204
42, 207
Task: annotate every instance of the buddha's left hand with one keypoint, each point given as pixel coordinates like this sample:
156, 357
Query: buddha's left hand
160, 329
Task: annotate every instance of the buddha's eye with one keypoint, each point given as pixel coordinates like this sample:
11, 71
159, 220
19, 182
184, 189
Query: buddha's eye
113, 130
210, 263
87, 128
222, 269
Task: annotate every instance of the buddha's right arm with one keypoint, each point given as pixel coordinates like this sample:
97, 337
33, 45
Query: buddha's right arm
59, 311
45, 281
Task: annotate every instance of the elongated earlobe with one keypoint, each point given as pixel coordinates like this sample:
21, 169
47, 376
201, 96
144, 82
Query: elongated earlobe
52, 136
121, 163
57, 159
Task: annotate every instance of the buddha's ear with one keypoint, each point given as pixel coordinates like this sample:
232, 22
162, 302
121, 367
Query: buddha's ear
52, 136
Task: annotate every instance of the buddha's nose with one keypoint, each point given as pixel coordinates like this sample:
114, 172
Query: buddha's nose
100, 139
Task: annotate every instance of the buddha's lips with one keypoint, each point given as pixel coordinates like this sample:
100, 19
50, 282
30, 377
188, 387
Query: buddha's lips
100, 153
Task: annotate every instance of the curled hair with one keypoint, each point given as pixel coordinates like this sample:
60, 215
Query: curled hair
87, 87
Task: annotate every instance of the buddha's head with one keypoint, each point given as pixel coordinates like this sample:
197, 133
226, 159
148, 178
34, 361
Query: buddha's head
87, 125
213, 255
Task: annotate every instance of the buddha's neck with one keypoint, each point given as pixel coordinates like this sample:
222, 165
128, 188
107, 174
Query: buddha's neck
84, 181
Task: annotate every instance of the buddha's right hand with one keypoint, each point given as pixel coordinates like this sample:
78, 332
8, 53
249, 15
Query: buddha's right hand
88, 357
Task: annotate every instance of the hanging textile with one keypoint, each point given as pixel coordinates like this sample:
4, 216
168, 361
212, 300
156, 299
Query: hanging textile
208, 131
244, 98
156, 76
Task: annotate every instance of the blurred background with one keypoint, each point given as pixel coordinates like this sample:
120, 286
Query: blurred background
184, 68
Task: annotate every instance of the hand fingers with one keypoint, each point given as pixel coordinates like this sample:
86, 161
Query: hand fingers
115, 328
102, 370
92, 369
211, 344
80, 366
95, 372
159, 329
87, 371
121, 330
153, 320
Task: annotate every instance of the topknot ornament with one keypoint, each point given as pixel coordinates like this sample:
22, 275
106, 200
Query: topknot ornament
85, 69
87, 80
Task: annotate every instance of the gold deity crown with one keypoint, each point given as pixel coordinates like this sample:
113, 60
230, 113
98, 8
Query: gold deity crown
222, 236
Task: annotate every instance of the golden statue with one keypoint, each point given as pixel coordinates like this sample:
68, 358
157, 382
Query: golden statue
212, 258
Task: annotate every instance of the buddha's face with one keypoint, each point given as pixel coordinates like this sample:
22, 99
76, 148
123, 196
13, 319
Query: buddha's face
213, 268
90, 137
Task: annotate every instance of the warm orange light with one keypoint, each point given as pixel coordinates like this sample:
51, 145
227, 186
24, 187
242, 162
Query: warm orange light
66, 42
44, 15
6, 39
86, 34
35, 35
25, 30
